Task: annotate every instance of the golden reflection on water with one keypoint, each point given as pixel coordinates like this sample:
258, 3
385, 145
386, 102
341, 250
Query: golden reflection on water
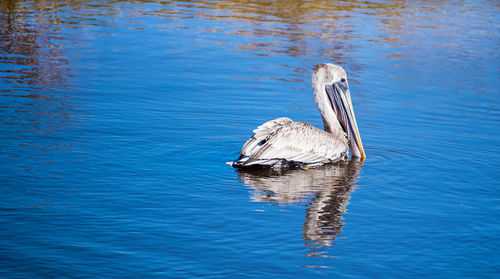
33, 31
35, 71
328, 188
31, 40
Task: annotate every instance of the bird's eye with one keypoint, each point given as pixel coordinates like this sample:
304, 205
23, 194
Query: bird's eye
342, 80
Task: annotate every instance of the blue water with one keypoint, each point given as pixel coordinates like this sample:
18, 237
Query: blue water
117, 118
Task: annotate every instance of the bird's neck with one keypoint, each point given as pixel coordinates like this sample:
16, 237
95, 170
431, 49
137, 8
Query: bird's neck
328, 127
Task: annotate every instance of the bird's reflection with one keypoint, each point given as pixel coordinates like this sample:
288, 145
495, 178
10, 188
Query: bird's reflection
327, 188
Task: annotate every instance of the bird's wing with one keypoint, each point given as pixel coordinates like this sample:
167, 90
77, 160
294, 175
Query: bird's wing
261, 133
298, 142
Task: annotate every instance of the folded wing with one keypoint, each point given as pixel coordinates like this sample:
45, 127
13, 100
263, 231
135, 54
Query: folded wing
283, 141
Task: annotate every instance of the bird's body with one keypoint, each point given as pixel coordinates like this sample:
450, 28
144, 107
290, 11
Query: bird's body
282, 142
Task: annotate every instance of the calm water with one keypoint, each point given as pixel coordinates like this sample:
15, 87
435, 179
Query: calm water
117, 118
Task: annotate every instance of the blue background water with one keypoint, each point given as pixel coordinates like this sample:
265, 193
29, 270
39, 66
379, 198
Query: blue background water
117, 118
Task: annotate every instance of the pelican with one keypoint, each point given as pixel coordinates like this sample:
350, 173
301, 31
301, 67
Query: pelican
282, 142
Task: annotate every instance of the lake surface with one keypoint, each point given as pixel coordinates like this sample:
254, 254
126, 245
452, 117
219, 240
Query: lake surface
117, 118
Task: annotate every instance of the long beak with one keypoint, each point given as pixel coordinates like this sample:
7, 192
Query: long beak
340, 98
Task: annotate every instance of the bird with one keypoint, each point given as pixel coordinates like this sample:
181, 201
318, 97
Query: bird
282, 142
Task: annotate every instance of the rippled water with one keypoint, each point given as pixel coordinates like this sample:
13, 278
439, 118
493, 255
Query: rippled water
117, 118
